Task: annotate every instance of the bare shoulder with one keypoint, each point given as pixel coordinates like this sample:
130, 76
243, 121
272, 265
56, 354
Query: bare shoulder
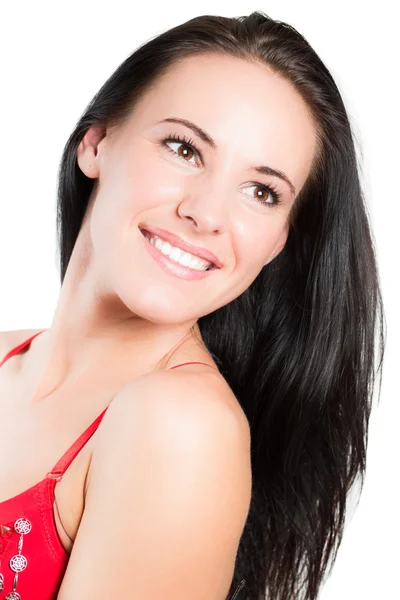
11, 338
171, 459
189, 406
187, 399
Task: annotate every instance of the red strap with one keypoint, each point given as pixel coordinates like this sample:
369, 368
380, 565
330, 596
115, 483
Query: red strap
191, 363
62, 465
20, 347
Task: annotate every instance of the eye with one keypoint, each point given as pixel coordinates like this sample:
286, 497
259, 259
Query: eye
191, 151
187, 148
265, 194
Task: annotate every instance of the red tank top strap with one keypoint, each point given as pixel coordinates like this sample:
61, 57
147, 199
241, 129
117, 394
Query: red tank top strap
196, 362
62, 465
20, 347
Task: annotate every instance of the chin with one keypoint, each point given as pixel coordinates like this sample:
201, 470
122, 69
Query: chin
155, 305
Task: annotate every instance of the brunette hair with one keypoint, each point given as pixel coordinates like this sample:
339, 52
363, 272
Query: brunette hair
298, 346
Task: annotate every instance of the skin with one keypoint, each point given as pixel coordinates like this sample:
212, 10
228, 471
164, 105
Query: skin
118, 314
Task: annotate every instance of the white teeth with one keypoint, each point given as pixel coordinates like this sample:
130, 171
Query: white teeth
158, 243
177, 255
165, 248
195, 263
185, 259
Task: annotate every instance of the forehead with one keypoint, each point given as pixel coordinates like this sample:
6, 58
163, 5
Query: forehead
252, 113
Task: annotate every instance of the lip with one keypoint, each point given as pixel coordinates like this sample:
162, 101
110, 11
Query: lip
172, 267
175, 240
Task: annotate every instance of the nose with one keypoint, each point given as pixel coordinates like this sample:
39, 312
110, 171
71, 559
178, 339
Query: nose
206, 209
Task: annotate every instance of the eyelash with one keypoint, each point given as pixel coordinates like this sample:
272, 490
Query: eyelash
277, 197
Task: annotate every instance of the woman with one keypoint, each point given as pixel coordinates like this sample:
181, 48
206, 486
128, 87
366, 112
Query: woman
213, 338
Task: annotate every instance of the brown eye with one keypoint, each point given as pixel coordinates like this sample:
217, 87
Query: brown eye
266, 195
262, 193
185, 151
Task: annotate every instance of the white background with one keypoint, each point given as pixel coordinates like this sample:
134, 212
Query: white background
55, 56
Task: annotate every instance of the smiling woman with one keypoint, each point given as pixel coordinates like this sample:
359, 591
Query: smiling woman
218, 449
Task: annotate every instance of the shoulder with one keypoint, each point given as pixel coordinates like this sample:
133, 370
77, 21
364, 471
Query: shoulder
172, 457
191, 411
11, 338
182, 403
189, 425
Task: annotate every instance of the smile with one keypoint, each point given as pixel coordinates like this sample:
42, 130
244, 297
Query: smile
176, 261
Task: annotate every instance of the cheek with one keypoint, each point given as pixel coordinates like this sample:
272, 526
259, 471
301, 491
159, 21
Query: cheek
155, 181
130, 187
146, 184
122, 197
257, 242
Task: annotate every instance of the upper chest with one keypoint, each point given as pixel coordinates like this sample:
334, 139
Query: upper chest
33, 439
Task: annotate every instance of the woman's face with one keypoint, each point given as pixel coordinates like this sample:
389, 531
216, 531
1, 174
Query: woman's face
208, 194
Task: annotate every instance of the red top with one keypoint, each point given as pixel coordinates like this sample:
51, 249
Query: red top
32, 557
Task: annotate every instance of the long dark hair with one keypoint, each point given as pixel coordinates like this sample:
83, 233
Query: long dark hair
298, 346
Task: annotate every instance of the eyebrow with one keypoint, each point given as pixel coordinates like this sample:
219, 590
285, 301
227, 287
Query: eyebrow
203, 135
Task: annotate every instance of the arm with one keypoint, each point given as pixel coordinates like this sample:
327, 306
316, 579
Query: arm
168, 494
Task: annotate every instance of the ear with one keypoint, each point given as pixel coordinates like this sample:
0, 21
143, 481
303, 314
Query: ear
87, 153
279, 244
